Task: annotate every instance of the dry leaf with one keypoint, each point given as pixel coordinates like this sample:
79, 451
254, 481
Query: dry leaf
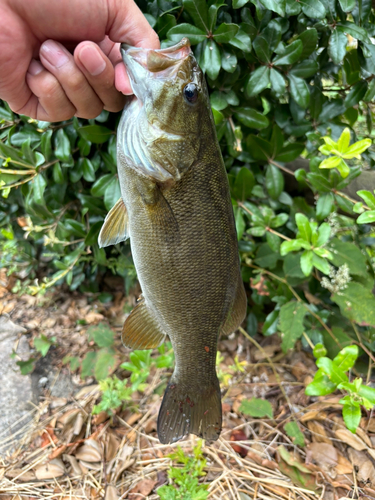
19, 473
50, 470
91, 451
324, 456
351, 439
111, 446
318, 432
343, 465
268, 351
111, 493
364, 436
76, 470
142, 489
93, 317
368, 424
363, 466
314, 415
90, 465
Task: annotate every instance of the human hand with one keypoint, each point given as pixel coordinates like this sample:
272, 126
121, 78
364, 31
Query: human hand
40, 77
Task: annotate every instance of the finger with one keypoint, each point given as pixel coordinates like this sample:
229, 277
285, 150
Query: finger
100, 74
58, 61
49, 101
112, 50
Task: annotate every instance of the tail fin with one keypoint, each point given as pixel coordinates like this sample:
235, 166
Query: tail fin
185, 410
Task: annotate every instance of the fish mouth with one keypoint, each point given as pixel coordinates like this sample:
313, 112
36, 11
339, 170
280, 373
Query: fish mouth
158, 64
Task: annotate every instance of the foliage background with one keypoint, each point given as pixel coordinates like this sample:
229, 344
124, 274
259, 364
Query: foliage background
282, 75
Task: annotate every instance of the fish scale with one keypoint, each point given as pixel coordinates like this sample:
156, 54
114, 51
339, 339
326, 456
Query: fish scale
182, 236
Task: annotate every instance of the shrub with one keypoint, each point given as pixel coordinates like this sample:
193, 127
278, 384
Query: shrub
286, 79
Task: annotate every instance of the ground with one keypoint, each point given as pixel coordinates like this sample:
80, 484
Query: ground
61, 450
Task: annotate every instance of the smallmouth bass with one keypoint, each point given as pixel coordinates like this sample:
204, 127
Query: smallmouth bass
175, 206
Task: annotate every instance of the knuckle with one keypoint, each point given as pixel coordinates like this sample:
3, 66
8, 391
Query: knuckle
76, 82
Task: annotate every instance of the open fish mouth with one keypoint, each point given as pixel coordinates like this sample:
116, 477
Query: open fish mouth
157, 64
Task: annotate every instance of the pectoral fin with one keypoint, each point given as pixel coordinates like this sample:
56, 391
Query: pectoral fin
141, 329
237, 312
115, 227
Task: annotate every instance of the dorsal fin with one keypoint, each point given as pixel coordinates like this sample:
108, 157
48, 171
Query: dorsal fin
115, 227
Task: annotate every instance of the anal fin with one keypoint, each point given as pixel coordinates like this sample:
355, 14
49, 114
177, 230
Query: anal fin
115, 227
141, 329
237, 312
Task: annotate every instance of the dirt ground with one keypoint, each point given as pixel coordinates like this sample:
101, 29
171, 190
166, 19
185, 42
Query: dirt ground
68, 452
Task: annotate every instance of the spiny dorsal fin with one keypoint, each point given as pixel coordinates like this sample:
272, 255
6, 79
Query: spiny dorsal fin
141, 329
237, 312
115, 227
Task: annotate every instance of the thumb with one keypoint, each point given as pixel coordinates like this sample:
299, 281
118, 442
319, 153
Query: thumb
126, 23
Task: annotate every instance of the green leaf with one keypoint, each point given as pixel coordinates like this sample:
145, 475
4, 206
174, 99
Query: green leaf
88, 170
313, 8
197, 10
333, 372
290, 55
266, 257
366, 217
256, 407
96, 134
321, 263
42, 344
278, 83
356, 94
309, 39
112, 194
279, 220
290, 152
344, 140
331, 162
251, 118
225, 32
348, 253
274, 181
294, 432
293, 246
319, 351
211, 60
218, 100
99, 187
307, 262
228, 62
277, 6
321, 385
237, 4
324, 232
102, 335
356, 303
242, 41
273, 241
368, 198
337, 46
299, 90
259, 80
351, 413
39, 185
292, 266
240, 222
347, 5
62, 146
259, 148
105, 363
292, 315
324, 205
243, 184
262, 49
88, 364
347, 357
26, 367
304, 227
356, 149
270, 323
353, 30
305, 69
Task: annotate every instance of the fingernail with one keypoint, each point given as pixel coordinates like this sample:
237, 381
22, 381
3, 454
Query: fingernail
35, 67
92, 60
54, 54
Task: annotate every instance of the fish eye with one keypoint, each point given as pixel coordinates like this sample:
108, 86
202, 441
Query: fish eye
191, 93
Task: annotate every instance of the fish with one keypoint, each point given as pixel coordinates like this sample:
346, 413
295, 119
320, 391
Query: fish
175, 207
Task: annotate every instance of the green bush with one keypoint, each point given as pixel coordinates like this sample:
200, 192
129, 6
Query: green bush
287, 78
